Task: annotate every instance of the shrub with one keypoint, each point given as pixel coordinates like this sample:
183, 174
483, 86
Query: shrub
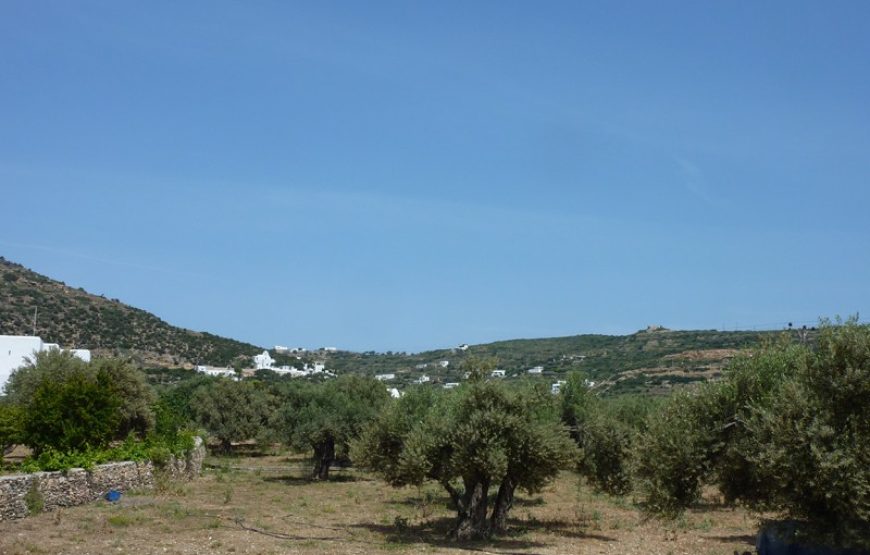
10, 426
787, 430
78, 412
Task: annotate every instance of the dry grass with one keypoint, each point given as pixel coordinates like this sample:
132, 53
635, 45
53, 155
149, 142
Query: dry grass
266, 505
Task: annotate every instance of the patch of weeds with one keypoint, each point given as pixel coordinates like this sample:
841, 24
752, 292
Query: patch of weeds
228, 495
213, 524
120, 520
33, 499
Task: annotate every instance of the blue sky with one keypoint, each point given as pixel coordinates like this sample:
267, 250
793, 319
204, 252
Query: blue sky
408, 175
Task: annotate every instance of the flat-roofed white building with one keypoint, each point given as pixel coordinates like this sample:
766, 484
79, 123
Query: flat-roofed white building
17, 350
216, 371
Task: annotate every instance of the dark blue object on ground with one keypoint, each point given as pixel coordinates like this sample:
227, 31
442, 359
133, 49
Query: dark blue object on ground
777, 538
113, 496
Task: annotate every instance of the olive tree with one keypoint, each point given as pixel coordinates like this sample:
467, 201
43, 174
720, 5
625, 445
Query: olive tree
786, 430
230, 410
325, 417
478, 438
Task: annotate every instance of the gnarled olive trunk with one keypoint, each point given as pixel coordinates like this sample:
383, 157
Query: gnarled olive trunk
504, 500
324, 455
472, 506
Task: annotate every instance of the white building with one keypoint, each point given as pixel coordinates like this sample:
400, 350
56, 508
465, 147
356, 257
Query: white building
385, 377
394, 393
423, 379
463, 347
497, 373
280, 349
216, 371
17, 350
263, 361
450, 385
535, 370
444, 363
557, 387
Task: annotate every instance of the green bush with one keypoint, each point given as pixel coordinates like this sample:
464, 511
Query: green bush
10, 426
79, 412
605, 431
787, 430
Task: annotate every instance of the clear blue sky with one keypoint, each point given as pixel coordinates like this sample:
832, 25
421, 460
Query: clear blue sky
409, 175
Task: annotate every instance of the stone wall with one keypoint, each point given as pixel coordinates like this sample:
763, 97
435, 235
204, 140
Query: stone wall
78, 486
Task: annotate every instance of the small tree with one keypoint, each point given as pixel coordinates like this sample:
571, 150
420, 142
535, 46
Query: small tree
135, 394
479, 437
75, 413
605, 431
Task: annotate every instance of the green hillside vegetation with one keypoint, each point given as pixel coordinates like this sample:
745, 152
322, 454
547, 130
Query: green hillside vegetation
75, 318
649, 361
654, 360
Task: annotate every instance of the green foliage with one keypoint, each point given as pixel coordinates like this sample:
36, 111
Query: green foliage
79, 412
786, 430
481, 435
230, 410
136, 396
326, 417
33, 499
812, 442
605, 431
11, 417
69, 405
154, 448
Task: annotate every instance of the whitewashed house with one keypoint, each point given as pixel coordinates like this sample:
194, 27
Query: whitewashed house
423, 379
557, 387
216, 371
444, 363
497, 373
450, 385
385, 377
394, 393
536, 370
17, 350
263, 361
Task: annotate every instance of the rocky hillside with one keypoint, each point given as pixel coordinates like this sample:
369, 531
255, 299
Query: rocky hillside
75, 318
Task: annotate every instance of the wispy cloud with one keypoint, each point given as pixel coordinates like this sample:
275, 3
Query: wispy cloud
695, 181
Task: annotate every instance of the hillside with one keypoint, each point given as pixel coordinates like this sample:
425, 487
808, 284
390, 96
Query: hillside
75, 318
649, 361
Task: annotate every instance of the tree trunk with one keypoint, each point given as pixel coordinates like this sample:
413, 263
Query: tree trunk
324, 454
472, 523
503, 503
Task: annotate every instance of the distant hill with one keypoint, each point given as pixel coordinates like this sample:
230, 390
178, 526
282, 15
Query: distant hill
650, 361
653, 360
75, 318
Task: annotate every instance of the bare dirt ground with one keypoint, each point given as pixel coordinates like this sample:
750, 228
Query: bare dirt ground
267, 505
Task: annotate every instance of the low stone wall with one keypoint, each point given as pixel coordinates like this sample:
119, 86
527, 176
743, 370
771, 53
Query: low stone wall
78, 486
